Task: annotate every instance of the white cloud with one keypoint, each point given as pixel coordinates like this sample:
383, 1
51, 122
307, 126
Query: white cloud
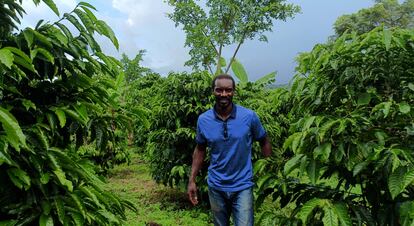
146, 26
42, 11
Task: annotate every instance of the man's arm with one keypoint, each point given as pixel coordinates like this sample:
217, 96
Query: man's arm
198, 159
266, 146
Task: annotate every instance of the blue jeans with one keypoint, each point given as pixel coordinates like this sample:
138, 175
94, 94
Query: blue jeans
239, 203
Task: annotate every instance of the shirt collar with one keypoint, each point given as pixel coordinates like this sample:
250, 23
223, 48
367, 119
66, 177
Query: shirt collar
232, 114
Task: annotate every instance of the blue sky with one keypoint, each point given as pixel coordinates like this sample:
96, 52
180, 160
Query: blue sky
142, 24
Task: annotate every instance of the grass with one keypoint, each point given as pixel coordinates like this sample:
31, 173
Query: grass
157, 204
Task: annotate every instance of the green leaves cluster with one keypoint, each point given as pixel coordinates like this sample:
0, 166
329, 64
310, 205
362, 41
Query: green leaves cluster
179, 99
57, 94
350, 141
387, 13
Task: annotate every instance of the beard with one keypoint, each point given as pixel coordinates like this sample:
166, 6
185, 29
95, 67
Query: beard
223, 102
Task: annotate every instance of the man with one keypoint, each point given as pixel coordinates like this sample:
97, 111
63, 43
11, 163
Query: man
229, 131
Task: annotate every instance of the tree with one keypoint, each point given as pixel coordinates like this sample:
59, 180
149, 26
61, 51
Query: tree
221, 23
387, 13
56, 95
132, 68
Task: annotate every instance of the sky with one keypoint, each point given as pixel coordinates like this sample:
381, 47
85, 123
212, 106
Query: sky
143, 24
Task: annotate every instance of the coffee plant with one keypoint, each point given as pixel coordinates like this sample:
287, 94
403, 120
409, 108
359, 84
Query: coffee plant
57, 94
351, 135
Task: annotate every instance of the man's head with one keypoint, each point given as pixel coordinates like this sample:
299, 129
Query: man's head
223, 89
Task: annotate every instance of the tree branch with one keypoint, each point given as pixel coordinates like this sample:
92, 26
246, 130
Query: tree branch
235, 52
218, 59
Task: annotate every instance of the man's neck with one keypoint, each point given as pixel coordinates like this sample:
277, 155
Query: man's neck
224, 113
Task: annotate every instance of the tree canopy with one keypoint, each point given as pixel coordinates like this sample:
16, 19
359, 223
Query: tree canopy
220, 23
387, 13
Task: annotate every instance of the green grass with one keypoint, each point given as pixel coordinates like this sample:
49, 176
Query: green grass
157, 204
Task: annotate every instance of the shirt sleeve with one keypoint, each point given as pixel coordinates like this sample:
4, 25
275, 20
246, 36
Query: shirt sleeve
200, 138
257, 128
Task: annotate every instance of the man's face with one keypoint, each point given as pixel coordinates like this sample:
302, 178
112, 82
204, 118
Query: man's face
223, 91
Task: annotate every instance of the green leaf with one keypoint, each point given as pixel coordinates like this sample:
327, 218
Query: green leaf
14, 133
44, 179
323, 151
329, 218
404, 107
396, 181
266, 79
20, 61
292, 164
52, 6
86, 5
313, 171
62, 179
19, 178
342, 213
364, 98
8, 222
45, 220
308, 122
77, 218
105, 30
28, 104
60, 209
79, 204
326, 127
85, 20
73, 20
359, 167
4, 154
307, 209
239, 71
61, 116
20, 53
43, 39
409, 177
387, 38
45, 53
91, 195
411, 86
28, 35
46, 207
222, 62
6, 57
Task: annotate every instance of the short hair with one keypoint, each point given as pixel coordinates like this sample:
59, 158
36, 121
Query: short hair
223, 76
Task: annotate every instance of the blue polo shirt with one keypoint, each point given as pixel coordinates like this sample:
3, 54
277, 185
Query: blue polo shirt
230, 144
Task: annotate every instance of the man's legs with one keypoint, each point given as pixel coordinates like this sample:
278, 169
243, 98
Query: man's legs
220, 206
240, 204
243, 207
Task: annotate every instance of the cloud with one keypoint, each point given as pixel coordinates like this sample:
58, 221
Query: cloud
42, 11
145, 25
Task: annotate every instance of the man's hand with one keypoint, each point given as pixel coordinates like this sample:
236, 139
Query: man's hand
192, 192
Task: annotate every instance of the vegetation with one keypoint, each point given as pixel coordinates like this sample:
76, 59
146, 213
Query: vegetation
351, 137
341, 132
156, 203
387, 13
56, 91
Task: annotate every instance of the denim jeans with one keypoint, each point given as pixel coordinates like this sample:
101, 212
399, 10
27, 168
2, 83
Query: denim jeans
239, 203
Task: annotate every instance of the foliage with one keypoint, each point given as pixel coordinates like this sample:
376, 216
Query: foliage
57, 93
181, 97
220, 23
387, 13
132, 68
352, 136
